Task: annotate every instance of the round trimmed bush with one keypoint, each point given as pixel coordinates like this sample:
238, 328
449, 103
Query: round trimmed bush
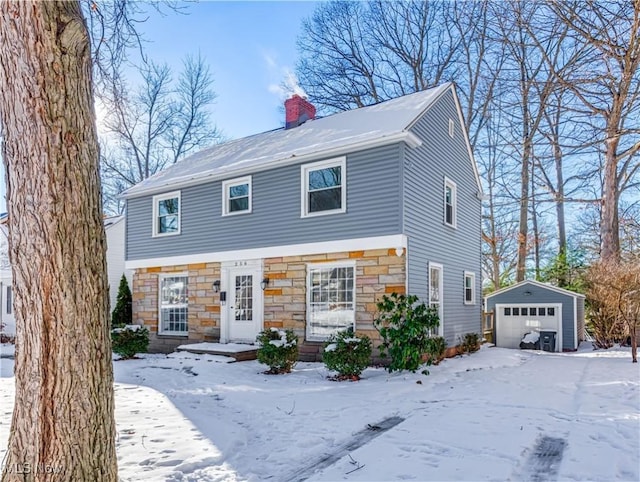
278, 350
347, 354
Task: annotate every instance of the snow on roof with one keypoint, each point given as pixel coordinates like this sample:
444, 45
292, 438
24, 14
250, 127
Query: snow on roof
380, 123
536, 283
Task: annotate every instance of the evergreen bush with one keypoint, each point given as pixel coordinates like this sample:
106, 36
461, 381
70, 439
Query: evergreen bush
128, 340
347, 354
405, 326
278, 350
470, 343
122, 314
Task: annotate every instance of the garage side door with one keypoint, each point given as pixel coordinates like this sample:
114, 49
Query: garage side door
514, 320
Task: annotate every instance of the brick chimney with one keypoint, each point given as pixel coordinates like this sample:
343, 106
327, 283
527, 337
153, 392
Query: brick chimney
298, 111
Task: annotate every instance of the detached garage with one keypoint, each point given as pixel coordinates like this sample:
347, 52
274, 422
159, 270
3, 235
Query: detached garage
531, 306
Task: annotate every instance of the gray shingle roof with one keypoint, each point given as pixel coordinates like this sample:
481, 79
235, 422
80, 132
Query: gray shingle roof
332, 135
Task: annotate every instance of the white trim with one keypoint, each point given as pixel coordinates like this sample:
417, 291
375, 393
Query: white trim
448, 183
440, 267
161, 277
465, 134
557, 306
472, 275
305, 169
238, 181
222, 173
337, 246
451, 128
162, 197
227, 271
535, 283
331, 264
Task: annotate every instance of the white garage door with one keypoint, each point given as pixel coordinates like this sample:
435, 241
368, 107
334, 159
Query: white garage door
513, 321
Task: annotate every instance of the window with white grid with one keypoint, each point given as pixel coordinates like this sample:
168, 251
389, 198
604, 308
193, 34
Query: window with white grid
330, 299
174, 302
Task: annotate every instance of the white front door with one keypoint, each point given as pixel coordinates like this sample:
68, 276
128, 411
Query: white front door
244, 304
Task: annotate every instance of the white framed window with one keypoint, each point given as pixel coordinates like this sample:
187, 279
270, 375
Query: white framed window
324, 189
469, 288
451, 128
173, 303
331, 300
236, 196
166, 214
436, 292
450, 202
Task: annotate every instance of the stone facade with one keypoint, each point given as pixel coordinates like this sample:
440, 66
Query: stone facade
203, 311
378, 272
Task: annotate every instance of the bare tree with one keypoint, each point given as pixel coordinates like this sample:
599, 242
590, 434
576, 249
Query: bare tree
63, 419
609, 91
156, 125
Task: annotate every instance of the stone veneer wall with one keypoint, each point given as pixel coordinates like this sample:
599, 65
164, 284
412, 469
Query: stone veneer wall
378, 272
204, 304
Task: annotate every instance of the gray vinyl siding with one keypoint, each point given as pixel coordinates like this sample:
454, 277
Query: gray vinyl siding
373, 207
429, 239
539, 294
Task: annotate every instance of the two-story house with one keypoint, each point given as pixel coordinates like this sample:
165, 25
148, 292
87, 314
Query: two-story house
307, 226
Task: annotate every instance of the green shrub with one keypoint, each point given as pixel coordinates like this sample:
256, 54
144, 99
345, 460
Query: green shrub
405, 326
121, 314
278, 350
436, 347
470, 343
128, 340
347, 355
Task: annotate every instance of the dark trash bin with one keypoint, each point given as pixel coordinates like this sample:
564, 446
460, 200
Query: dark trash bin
548, 340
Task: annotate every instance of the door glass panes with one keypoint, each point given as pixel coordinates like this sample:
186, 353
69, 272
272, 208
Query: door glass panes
325, 189
551, 311
244, 298
507, 312
174, 302
168, 212
516, 311
524, 311
542, 311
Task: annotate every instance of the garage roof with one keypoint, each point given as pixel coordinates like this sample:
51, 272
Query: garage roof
538, 284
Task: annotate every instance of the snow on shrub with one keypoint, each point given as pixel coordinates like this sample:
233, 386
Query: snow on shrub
347, 355
128, 340
278, 350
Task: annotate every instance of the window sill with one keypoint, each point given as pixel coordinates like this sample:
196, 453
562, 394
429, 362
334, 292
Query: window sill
174, 334
236, 213
164, 235
323, 213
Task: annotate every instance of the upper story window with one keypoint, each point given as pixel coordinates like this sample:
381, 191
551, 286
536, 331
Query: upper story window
324, 187
236, 196
469, 288
166, 214
450, 202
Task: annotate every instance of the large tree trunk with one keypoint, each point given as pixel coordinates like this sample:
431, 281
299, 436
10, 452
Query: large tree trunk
63, 416
609, 224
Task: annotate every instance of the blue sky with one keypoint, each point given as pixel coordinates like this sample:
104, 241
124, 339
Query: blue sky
250, 48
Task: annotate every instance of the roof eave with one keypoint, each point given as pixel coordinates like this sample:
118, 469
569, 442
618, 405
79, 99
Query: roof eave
407, 137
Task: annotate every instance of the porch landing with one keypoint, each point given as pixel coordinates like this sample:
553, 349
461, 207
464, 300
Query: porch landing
238, 351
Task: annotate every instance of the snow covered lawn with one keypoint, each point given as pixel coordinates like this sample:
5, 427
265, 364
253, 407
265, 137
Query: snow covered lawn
480, 417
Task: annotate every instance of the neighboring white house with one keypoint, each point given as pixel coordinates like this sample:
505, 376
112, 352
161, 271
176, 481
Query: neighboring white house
114, 230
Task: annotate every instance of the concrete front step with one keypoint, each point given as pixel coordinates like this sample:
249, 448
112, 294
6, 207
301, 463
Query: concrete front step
238, 351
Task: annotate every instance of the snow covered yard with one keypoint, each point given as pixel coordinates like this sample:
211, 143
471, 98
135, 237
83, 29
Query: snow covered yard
481, 417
